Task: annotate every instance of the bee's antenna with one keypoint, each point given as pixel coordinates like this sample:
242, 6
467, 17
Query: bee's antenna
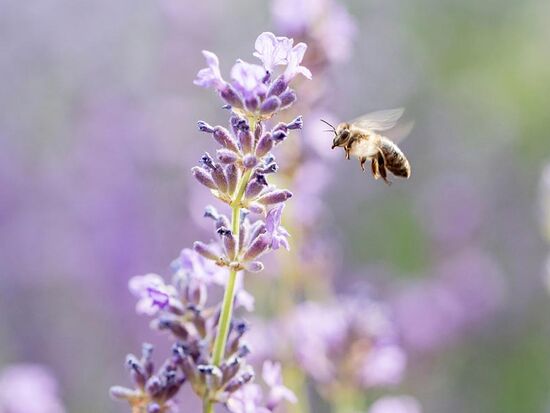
333, 128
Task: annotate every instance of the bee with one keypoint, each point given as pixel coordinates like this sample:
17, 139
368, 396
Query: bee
361, 138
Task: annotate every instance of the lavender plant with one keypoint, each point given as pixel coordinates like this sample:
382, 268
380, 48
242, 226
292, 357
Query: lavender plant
210, 350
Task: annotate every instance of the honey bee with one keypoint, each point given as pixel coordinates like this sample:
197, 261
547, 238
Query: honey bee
361, 138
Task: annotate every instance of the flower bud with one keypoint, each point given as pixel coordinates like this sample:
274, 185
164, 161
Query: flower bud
251, 104
205, 127
278, 86
218, 175
256, 208
230, 95
207, 251
280, 126
275, 197
257, 247
224, 138
238, 123
146, 358
212, 376
222, 221
239, 381
232, 174
188, 367
174, 326
211, 212
229, 243
123, 393
250, 161
287, 99
226, 156
255, 186
279, 136
297, 123
230, 368
268, 169
206, 161
246, 140
136, 370
195, 293
270, 105
254, 266
258, 132
154, 386
203, 177
265, 144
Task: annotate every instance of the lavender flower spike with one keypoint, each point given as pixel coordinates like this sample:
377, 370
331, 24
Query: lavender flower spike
209, 351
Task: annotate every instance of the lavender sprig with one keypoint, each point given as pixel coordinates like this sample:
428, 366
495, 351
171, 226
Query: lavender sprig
209, 351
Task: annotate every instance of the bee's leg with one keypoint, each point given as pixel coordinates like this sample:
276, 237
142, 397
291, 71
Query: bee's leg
374, 168
362, 162
382, 168
346, 149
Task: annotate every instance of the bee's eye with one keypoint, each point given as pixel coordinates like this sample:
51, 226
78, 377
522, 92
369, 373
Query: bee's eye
344, 135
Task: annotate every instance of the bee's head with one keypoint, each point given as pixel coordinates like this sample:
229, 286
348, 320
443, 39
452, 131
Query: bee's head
341, 134
341, 137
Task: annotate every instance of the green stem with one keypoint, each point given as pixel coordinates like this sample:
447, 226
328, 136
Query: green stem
229, 294
207, 406
228, 297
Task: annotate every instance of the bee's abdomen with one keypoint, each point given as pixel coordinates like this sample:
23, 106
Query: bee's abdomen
394, 159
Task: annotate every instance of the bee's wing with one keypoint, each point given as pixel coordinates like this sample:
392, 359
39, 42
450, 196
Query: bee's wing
380, 120
400, 132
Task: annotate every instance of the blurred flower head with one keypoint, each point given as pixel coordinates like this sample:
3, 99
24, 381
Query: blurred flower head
28, 388
324, 24
396, 404
465, 291
353, 341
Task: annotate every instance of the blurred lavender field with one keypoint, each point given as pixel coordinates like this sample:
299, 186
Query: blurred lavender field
98, 135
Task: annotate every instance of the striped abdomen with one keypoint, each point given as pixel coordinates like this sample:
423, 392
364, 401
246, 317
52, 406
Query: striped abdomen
394, 160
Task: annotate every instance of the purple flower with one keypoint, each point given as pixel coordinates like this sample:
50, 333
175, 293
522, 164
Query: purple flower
248, 78
279, 235
295, 57
154, 295
28, 388
465, 291
314, 330
192, 266
211, 75
272, 375
325, 341
253, 92
272, 50
396, 404
383, 366
248, 399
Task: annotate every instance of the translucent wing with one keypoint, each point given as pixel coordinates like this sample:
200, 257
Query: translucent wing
380, 120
